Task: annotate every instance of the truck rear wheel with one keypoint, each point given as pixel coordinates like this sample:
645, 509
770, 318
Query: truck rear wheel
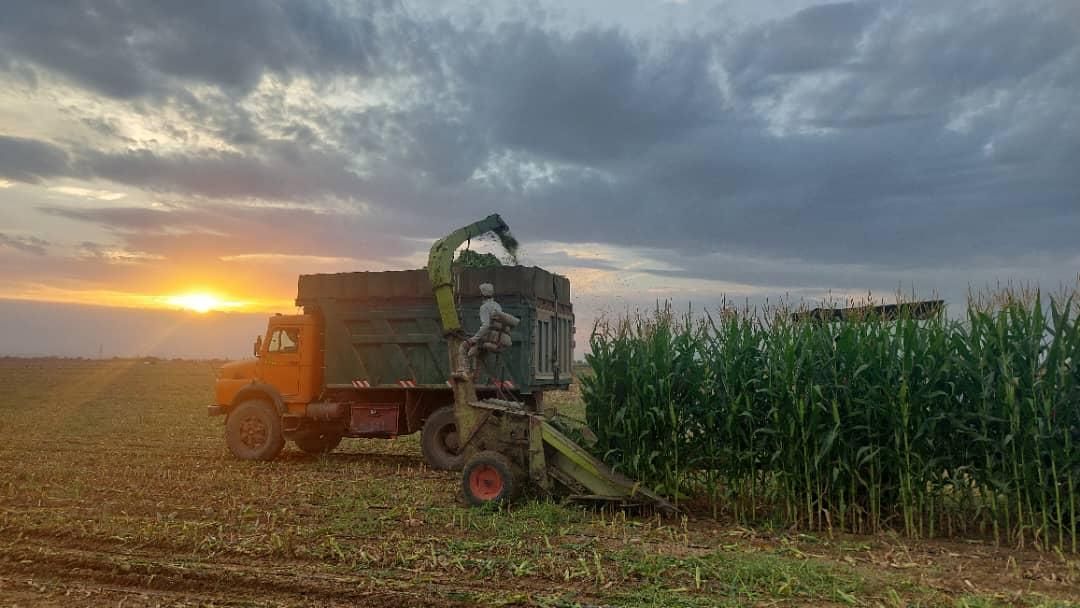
318, 443
439, 441
253, 431
488, 478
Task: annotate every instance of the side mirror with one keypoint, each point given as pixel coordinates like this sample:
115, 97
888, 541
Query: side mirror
258, 345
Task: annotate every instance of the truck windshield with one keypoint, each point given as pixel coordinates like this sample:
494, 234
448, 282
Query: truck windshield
284, 340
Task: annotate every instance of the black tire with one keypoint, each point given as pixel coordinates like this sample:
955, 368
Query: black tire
253, 431
316, 442
489, 478
439, 441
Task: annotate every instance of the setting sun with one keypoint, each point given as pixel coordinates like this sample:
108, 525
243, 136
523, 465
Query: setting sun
199, 302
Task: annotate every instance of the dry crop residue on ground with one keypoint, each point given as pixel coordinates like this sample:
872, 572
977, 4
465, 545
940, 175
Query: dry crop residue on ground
116, 489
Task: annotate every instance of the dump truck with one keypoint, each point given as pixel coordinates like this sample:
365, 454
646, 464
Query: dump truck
384, 354
368, 358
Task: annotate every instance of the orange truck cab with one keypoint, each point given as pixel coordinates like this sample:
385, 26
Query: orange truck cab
286, 367
267, 398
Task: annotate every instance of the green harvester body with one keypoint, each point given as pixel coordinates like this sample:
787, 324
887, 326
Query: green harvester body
507, 432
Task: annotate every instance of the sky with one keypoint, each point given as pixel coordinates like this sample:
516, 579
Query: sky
651, 150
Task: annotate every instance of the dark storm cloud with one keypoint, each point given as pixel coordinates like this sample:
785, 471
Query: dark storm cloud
894, 182
128, 48
563, 258
30, 160
279, 174
211, 231
24, 244
894, 137
893, 195
128, 218
105, 127
914, 61
591, 96
815, 38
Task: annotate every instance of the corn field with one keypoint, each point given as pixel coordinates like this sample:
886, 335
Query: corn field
929, 427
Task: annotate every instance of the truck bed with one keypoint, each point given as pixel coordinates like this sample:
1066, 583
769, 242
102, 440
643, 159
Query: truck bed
382, 329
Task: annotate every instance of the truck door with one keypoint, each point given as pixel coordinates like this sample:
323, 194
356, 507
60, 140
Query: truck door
282, 359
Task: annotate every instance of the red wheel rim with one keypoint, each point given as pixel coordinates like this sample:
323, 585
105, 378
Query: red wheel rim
485, 482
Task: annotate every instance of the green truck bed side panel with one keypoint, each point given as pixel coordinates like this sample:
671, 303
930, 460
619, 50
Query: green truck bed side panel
383, 327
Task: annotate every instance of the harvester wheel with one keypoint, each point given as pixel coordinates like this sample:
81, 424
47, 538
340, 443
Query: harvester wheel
488, 478
317, 443
439, 441
253, 431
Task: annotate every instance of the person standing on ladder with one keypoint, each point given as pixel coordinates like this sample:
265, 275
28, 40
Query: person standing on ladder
493, 335
487, 290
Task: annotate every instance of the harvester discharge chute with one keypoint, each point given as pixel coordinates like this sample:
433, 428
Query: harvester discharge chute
505, 446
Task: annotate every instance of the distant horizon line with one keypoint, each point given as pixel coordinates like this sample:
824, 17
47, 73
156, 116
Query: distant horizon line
167, 309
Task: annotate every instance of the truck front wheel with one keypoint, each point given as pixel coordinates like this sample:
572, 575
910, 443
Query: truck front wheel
439, 441
253, 431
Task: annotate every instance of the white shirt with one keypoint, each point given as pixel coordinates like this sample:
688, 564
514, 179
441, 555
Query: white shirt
486, 309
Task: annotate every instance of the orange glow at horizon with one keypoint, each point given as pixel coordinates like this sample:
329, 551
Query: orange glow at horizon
201, 302
198, 300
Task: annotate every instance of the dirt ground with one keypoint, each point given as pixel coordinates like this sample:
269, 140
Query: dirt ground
117, 490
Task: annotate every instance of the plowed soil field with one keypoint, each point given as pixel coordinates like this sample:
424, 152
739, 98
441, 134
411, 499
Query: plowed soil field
117, 490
